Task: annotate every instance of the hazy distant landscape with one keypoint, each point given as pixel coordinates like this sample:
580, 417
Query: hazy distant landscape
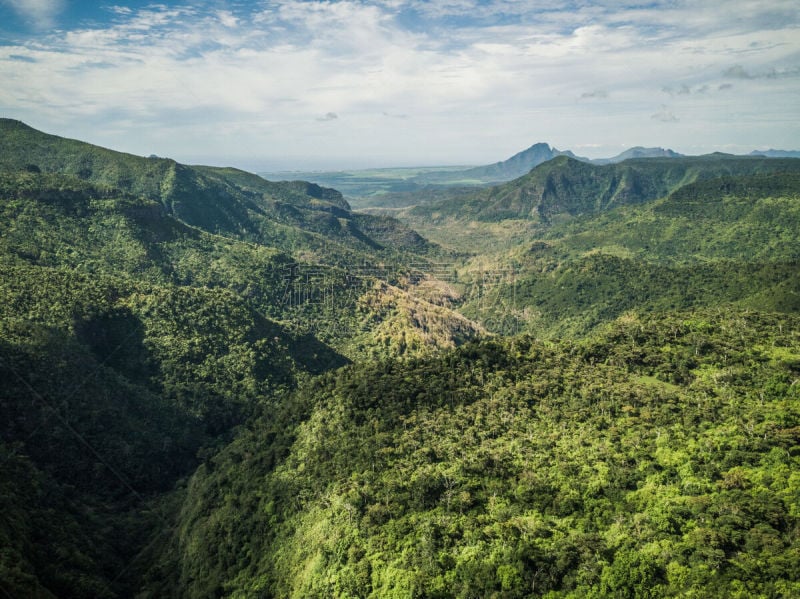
297, 300
393, 187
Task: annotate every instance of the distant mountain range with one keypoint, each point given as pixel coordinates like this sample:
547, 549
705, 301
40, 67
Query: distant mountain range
521, 163
516, 166
390, 186
637, 152
776, 153
566, 186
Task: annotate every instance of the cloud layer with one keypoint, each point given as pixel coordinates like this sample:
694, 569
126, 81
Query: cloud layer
39, 13
302, 84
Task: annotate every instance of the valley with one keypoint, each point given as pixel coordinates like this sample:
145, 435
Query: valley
543, 377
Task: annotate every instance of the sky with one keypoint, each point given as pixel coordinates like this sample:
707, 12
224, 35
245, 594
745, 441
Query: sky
298, 85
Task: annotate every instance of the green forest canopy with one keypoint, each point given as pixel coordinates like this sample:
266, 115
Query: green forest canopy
216, 385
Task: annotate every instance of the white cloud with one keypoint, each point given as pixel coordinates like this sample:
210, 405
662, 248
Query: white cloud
41, 13
227, 18
598, 94
121, 10
473, 82
665, 116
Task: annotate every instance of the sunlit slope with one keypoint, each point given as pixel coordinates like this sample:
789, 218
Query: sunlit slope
719, 242
565, 187
655, 459
293, 216
132, 346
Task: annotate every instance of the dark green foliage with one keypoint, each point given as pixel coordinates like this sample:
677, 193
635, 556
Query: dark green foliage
726, 241
579, 295
114, 378
132, 344
82, 449
178, 417
565, 186
110, 389
287, 215
511, 468
707, 194
734, 218
62, 222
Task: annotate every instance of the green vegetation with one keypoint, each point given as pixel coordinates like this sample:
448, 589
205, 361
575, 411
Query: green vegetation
135, 339
722, 242
215, 385
657, 459
564, 188
291, 216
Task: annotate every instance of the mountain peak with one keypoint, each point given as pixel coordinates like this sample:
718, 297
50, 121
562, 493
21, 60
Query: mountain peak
11, 124
639, 152
519, 164
537, 147
776, 153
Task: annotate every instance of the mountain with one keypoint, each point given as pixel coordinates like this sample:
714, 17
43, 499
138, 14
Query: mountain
638, 152
516, 166
720, 242
372, 187
402, 187
149, 310
565, 186
522, 162
217, 200
657, 459
132, 343
216, 385
573, 245
776, 153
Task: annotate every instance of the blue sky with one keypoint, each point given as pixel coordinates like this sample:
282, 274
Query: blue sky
271, 85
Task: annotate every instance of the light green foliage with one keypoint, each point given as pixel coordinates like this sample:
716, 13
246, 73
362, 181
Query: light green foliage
565, 186
727, 241
216, 385
653, 460
291, 216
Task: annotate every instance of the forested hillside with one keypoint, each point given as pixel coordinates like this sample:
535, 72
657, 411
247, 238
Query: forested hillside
291, 216
656, 459
116, 376
567, 187
137, 337
580, 383
722, 242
